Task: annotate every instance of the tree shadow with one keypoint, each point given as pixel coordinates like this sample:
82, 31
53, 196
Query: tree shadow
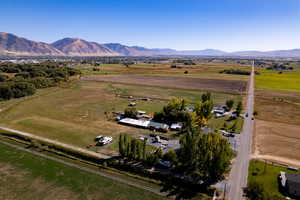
181, 189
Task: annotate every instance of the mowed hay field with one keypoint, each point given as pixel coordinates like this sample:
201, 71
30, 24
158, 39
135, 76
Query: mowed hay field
200, 70
277, 132
75, 114
28, 177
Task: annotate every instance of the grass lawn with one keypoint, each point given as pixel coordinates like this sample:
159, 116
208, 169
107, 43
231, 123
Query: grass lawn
164, 69
75, 114
25, 176
272, 80
217, 123
266, 174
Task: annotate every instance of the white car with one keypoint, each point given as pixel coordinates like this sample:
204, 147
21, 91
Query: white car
105, 140
99, 137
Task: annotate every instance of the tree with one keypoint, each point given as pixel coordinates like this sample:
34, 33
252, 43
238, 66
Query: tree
203, 112
3, 78
229, 104
5, 92
204, 157
233, 127
122, 147
170, 156
130, 112
206, 97
255, 191
225, 127
173, 112
239, 108
144, 148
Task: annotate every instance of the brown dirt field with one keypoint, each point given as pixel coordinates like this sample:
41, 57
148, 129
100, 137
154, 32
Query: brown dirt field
281, 107
277, 142
231, 86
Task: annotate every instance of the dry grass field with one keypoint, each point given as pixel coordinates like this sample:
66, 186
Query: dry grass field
174, 82
277, 135
278, 142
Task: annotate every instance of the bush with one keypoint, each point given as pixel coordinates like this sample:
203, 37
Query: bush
235, 71
42, 82
170, 156
130, 112
21, 89
24, 75
5, 92
3, 78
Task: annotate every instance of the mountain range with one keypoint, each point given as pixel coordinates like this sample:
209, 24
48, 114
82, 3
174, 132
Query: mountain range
11, 44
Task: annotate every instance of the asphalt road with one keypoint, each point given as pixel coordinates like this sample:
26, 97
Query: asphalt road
239, 172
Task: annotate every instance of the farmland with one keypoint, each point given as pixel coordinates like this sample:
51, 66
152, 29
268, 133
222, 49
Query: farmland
273, 80
277, 127
165, 81
200, 70
77, 111
277, 102
25, 176
74, 114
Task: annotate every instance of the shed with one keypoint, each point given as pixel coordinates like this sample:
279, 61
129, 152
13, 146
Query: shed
135, 122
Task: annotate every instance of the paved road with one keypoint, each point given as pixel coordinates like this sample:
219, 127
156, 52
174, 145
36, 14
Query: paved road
78, 149
108, 176
239, 172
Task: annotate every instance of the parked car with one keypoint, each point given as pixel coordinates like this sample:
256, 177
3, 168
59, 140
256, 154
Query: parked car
165, 163
104, 141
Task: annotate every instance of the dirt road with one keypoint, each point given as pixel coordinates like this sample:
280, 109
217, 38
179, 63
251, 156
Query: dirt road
74, 148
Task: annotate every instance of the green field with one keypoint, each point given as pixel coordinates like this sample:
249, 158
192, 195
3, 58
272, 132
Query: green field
75, 114
272, 80
25, 176
266, 175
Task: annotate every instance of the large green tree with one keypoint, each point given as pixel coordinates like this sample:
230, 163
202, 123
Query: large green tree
229, 104
173, 112
204, 157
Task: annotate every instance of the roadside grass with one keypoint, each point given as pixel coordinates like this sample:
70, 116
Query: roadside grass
272, 80
266, 174
164, 69
75, 114
30, 177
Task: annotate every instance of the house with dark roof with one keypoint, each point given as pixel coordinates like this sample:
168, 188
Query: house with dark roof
290, 183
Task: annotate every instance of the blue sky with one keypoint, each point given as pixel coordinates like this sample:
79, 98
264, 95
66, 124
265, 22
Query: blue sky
229, 25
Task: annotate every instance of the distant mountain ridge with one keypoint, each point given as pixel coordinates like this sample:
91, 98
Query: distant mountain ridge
79, 47
11, 44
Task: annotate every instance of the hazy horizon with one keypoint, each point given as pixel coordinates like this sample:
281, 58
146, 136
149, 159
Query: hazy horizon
227, 25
